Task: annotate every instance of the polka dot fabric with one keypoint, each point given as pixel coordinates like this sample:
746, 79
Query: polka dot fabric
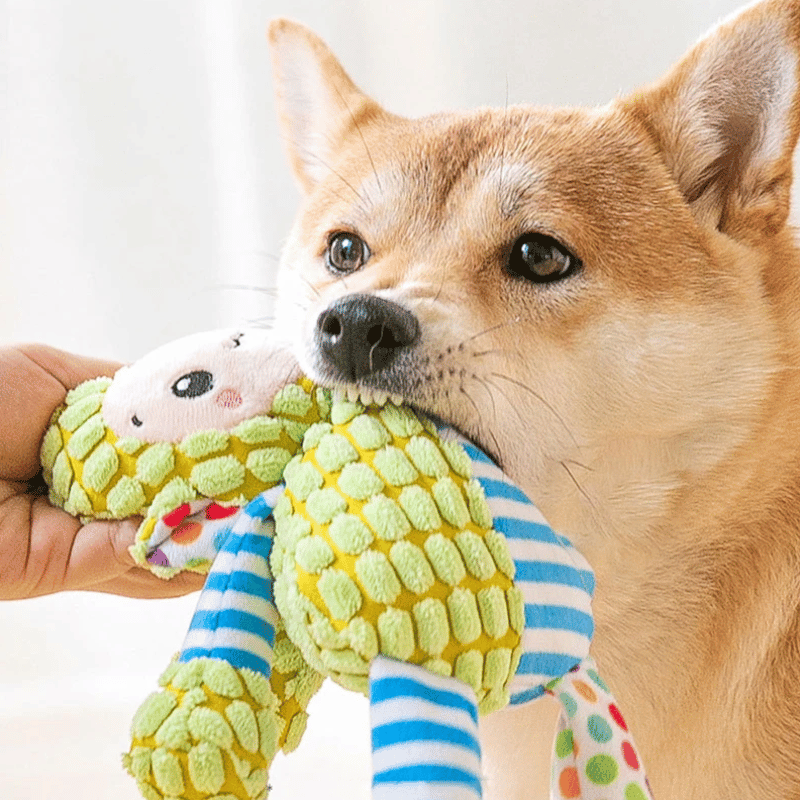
188, 537
595, 757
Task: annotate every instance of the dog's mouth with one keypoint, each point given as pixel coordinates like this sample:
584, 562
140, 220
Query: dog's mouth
367, 397
395, 384
374, 351
371, 397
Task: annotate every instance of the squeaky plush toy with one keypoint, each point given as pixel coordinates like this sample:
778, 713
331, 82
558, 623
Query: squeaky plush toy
371, 545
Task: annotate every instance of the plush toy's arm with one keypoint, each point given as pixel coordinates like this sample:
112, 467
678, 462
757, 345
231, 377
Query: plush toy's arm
555, 581
238, 690
594, 754
235, 618
594, 750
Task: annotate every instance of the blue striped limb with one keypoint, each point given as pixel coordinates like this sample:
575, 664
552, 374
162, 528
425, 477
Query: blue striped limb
236, 618
424, 735
238, 690
555, 581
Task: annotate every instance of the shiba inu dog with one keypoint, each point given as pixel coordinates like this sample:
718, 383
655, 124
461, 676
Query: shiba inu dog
608, 300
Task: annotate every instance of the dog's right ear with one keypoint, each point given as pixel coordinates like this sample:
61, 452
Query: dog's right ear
318, 105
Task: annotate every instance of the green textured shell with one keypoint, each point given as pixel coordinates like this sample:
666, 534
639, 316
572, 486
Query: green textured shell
384, 544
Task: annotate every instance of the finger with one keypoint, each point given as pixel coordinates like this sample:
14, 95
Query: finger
45, 550
54, 552
99, 553
138, 582
33, 381
101, 561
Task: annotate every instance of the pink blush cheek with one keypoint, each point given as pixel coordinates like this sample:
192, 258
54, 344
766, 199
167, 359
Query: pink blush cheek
228, 398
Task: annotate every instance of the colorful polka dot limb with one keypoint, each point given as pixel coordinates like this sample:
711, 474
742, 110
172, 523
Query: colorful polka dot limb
595, 756
189, 537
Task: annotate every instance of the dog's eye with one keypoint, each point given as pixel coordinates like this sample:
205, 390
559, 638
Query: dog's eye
346, 252
193, 384
541, 259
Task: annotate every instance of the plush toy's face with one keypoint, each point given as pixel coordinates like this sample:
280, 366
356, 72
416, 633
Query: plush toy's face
213, 380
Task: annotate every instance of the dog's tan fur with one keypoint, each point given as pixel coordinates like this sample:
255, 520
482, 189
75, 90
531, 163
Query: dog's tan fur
648, 403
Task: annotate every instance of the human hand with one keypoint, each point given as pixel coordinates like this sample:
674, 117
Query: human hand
43, 549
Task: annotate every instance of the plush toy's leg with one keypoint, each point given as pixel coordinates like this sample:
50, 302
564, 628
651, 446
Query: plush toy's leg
595, 756
424, 735
218, 722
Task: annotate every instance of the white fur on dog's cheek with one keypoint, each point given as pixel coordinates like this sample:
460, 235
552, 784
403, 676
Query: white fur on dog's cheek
644, 364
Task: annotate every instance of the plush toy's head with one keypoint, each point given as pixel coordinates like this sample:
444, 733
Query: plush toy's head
216, 416
212, 380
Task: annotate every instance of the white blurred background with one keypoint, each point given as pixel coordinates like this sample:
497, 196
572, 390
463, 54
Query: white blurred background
141, 179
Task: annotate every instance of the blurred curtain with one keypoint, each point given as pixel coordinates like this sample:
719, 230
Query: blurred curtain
142, 184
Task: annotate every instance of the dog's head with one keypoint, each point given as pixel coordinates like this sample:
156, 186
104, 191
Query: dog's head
590, 294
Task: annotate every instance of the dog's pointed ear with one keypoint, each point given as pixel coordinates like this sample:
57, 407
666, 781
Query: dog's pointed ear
726, 120
318, 105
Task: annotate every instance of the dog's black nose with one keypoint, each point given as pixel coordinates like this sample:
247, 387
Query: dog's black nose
361, 334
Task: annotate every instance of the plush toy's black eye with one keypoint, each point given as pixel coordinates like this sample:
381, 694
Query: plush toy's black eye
136, 421
346, 253
193, 384
541, 259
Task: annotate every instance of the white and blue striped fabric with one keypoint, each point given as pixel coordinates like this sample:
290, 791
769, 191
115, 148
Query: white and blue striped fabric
556, 581
424, 735
440, 756
235, 617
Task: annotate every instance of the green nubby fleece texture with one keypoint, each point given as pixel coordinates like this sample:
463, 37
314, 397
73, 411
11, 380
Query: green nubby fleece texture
384, 545
212, 731
94, 475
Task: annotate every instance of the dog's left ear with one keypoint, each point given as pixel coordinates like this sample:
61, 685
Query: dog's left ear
726, 120
318, 105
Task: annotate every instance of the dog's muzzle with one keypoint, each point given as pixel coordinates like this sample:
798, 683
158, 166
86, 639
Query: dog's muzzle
361, 334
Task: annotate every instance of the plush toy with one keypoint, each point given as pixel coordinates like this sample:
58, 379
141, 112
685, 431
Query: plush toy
371, 545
